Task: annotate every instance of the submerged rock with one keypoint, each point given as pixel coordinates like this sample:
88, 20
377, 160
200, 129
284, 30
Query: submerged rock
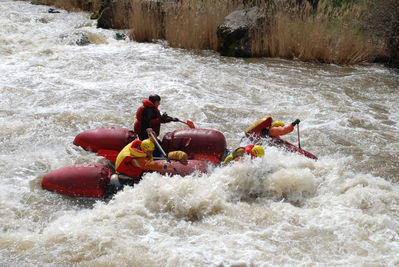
52, 10
237, 29
120, 36
77, 38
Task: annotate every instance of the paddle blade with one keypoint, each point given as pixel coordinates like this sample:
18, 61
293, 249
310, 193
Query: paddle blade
190, 124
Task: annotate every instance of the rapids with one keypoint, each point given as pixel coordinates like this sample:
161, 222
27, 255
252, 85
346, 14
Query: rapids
282, 209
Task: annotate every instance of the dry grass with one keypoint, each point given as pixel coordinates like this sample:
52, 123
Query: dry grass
145, 21
292, 31
192, 24
187, 24
323, 35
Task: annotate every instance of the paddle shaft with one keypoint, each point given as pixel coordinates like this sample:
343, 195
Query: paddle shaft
162, 151
299, 140
160, 148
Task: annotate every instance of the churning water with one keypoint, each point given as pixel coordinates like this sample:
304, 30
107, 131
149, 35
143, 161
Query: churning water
282, 209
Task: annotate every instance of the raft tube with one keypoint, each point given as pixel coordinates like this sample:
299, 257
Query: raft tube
80, 180
199, 144
91, 179
108, 138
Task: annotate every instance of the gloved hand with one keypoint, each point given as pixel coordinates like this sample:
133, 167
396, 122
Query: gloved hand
175, 119
297, 121
164, 116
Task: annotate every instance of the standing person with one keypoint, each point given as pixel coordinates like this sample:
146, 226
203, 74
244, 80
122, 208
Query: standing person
148, 116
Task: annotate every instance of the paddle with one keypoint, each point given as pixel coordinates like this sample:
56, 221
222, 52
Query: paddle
162, 151
188, 123
299, 140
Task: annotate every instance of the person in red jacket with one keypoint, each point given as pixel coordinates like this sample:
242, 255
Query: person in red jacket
238, 153
148, 116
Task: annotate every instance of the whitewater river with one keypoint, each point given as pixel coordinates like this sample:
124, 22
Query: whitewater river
282, 209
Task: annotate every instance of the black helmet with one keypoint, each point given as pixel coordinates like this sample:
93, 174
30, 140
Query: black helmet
154, 98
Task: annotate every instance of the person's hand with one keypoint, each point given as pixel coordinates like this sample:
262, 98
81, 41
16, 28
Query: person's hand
164, 116
150, 130
297, 121
170, 167
175, 119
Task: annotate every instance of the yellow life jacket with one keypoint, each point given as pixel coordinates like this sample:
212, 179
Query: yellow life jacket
178, 155
130, 150
257, 127
234, 155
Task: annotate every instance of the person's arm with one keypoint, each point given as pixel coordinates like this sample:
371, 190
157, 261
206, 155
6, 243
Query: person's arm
165, 118
277, 131
149, 165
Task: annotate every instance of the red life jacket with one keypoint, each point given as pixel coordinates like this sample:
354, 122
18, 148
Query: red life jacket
141, 124
248, 150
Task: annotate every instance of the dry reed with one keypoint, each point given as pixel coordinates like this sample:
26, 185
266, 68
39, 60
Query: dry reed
189, 24
292, 31
329, 35
145, 21
192, 24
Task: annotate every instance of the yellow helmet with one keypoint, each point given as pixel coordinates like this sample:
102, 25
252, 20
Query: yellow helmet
278, 124
147, 145
258, 151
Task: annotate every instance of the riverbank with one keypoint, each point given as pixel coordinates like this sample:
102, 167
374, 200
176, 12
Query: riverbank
327, 31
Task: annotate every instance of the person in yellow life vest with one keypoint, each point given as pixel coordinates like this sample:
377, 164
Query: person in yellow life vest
277, 128
237, 154
137, 157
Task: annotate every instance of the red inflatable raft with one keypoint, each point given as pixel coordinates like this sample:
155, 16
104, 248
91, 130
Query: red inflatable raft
204, 147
